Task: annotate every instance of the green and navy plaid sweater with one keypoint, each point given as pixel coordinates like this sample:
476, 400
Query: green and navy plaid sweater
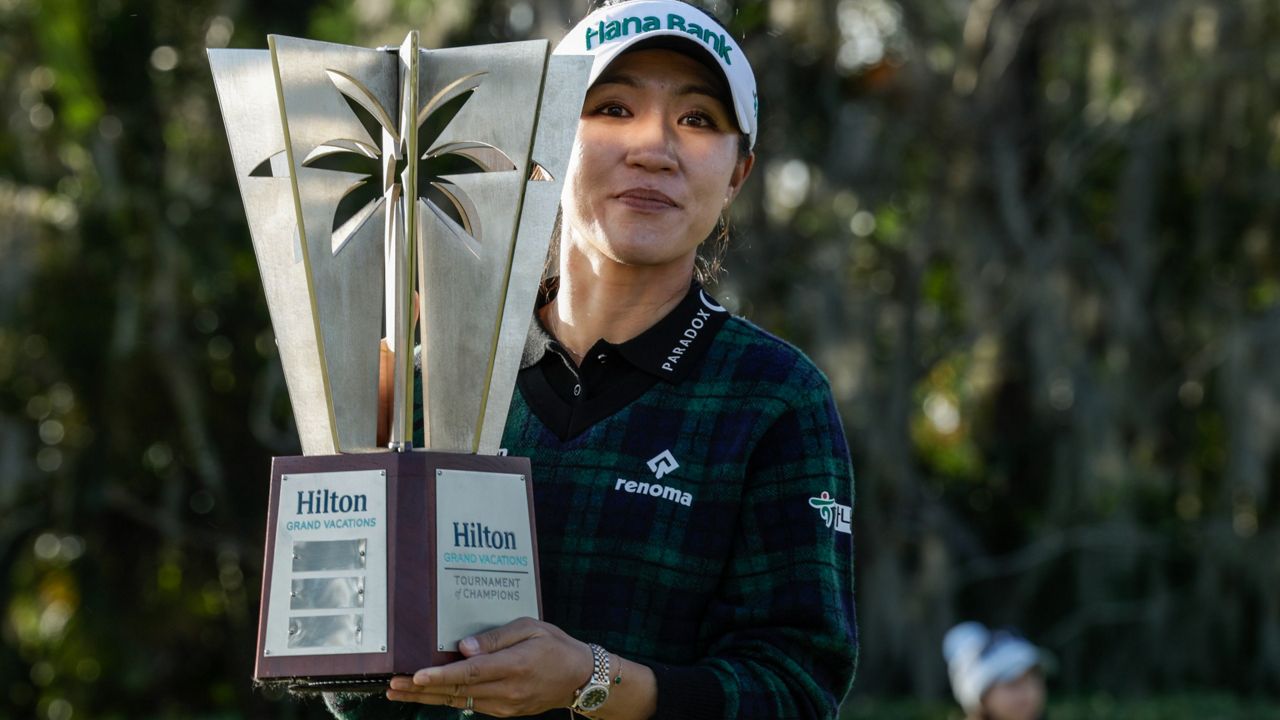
702, 529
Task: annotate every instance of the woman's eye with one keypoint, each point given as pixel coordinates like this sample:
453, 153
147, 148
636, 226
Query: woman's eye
612, 110
698, 119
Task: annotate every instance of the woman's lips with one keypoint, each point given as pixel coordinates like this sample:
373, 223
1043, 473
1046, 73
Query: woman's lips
646, 199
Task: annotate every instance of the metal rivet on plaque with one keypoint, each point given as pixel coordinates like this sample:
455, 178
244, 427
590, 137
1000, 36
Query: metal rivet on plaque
384, 648
266, 652
439, 472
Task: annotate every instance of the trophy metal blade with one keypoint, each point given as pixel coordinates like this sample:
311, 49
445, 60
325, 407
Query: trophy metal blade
463, 285
246, 87
346, 281
563, 90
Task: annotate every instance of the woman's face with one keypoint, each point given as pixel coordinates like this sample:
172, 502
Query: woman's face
1019, 699
654, 163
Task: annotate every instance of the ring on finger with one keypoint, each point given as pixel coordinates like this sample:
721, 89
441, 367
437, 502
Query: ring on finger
470, 709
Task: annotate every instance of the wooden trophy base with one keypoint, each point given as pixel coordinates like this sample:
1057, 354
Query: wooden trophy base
377, 564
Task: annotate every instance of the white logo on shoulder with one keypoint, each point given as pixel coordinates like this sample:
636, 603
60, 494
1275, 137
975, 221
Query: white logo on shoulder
833, 513
663, 463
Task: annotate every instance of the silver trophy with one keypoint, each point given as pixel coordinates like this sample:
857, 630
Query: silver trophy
377, 182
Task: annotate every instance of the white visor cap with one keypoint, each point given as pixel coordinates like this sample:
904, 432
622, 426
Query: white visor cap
977, 659
609, 31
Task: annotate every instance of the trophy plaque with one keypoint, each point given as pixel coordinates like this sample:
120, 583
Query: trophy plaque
404, 194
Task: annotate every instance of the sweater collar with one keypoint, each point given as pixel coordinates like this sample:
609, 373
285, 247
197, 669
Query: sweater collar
667, 350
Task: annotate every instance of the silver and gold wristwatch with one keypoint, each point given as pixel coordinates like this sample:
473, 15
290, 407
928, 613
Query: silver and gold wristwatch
591, 696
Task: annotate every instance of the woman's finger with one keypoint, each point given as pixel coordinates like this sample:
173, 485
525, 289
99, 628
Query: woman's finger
406, 683
472, 671
499, 638
477, 699
425, 698
493, 698
402, 682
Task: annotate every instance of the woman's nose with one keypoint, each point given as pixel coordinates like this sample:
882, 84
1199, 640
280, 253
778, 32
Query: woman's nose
651, 143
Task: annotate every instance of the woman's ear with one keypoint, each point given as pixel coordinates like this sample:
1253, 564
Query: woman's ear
741, 172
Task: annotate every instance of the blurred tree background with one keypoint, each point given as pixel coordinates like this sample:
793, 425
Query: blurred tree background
1032, 242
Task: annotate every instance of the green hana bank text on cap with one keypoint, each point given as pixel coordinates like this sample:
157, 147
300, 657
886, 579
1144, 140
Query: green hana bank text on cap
619, 29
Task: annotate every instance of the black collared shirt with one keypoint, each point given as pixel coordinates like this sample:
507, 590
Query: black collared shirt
569, 399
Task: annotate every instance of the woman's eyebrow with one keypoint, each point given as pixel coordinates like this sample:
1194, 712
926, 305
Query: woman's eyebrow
617, 78
701, 89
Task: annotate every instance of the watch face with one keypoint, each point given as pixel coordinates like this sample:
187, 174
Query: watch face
593, 697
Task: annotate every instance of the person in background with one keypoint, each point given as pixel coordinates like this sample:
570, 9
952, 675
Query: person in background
995, 675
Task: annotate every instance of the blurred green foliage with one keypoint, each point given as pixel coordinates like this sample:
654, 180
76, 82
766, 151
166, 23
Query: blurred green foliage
1032, 243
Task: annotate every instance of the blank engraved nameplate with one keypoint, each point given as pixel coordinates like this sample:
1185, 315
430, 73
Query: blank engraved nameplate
328, 594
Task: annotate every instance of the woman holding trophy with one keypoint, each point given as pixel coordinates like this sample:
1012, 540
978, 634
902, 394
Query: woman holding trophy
693, 485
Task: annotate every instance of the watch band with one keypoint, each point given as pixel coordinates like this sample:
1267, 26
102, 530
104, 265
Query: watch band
599, 664
591, 696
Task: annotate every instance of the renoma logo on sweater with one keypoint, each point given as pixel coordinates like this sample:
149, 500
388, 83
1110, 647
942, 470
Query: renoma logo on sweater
605, 32
661, 464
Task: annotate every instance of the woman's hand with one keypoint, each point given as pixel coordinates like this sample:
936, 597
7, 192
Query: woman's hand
522, 668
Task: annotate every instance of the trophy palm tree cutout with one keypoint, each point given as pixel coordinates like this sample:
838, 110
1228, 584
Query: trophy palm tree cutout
369, 175
451, 204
